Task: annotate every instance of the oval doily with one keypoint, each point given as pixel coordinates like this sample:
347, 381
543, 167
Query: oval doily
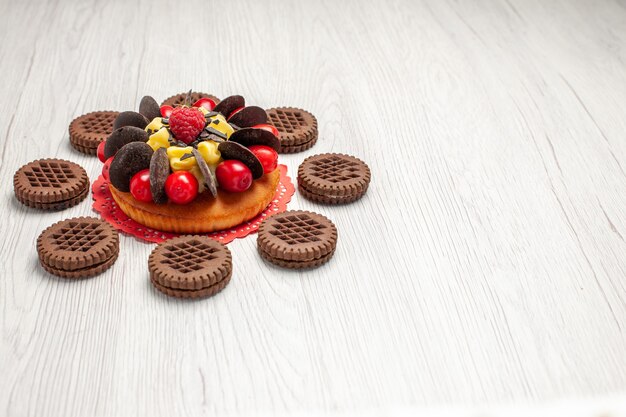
105, 205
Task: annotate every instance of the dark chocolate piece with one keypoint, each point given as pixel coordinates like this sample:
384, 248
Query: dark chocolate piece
251, 136
149, 108
229, 104
128, 161
130, 118
216, 132
159, 171
233, 150
249, 116
215, 138
123, 136
207, 174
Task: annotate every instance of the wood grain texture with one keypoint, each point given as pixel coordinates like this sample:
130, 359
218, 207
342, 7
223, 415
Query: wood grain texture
485, 264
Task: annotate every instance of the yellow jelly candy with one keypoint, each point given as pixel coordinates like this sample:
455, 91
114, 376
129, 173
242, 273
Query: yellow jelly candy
219, 123
174, 153
155, 125
209, 152
203, 110
159, 139
195, 171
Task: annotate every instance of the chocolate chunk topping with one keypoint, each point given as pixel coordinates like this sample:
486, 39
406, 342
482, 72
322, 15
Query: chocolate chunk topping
149, 107
249, 116
233, 150
128, 161
207, 174
123, 136
215, 132
229, 104
130, 118
159, 171
251, 136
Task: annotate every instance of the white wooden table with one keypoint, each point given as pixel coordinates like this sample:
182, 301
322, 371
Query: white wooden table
487, 263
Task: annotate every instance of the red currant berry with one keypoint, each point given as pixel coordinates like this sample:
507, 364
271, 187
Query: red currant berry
234, 112
270, 128
181, 187
267, 156
106, 167
233, 176
100, 152
205, 102
166, 110
140, 186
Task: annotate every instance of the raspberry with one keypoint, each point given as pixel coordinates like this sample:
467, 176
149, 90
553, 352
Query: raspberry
186, 123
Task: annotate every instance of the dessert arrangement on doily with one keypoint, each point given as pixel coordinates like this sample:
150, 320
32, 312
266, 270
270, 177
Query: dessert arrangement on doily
190, 174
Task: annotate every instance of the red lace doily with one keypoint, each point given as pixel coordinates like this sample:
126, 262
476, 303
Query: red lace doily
105, 205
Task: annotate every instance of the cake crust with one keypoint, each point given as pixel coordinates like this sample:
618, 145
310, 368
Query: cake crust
205, 214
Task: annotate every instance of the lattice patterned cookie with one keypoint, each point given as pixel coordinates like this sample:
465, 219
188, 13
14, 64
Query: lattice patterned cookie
78, 247
297, 128
50, 184
190, 267
333, 178
297, 239
88, 130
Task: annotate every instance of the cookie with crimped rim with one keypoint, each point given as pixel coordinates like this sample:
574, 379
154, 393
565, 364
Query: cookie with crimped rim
298, 148
88, 130
50, 184
297, 128
297, 239
296, 264
78, 247
333, 178
204, 292
179, 99
190, 266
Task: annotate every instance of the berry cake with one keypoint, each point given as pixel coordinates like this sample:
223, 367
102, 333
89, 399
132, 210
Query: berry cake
194, 168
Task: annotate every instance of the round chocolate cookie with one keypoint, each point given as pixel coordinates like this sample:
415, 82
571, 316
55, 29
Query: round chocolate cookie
130, 118
78, 248
179, 99
128, 161
297, 127
51, 184
149, 108
333, 178
297, 239
123, 136
229, 104
190, 267
88, 130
